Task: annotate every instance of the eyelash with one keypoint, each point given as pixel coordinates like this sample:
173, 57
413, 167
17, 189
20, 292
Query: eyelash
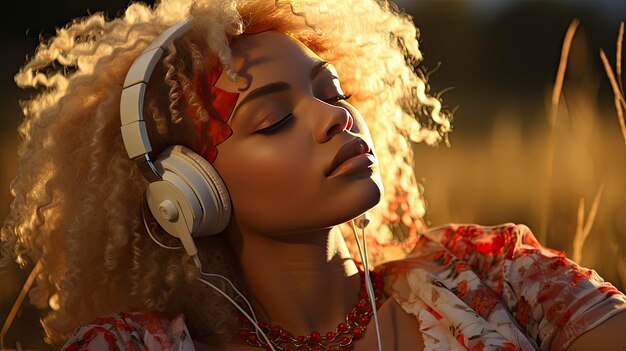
278, 124
338, 98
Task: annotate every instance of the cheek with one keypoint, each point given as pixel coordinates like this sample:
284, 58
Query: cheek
258, 173
268, 185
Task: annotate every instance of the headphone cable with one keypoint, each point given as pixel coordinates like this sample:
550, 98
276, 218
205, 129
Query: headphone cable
143, 216
363, 221
240, 310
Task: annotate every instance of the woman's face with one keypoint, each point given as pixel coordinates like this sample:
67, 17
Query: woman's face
278, 178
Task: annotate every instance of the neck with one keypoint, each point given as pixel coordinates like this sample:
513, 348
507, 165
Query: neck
303, 282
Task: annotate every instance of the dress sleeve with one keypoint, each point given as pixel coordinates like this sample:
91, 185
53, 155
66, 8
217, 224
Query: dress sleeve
553, 299
150, 331
87, 340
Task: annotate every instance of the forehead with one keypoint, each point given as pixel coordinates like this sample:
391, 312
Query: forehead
268, 57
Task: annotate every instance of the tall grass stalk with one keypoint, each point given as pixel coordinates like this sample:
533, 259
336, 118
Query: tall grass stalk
584, 227
618, 56
18, 303
616, 83
552, 118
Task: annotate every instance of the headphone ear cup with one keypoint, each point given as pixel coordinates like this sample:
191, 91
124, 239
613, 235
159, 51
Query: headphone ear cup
218, 199
206, 205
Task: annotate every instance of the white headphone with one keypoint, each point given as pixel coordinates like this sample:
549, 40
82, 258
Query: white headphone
185, 195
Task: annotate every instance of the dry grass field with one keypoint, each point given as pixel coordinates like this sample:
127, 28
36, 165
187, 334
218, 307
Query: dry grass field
563, 174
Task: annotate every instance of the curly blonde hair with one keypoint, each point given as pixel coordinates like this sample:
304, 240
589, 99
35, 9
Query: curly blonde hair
77, 196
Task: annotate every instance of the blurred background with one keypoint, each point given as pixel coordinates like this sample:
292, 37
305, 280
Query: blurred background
495, 63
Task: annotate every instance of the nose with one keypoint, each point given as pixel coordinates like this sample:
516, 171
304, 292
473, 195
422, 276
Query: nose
331, 120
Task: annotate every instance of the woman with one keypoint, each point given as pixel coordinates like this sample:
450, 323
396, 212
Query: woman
259, 91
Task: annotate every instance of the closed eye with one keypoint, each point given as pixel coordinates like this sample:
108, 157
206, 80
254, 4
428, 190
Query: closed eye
276, 126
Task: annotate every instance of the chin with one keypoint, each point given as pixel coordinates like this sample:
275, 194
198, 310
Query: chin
374, 192
357, 196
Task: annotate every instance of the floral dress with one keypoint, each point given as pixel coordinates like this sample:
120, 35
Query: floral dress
470, 287
132, 331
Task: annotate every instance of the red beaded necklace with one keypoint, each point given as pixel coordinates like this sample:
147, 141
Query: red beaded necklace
340, 339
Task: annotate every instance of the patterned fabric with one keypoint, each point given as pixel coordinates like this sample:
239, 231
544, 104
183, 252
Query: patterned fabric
470, 287
496, 288
137, 331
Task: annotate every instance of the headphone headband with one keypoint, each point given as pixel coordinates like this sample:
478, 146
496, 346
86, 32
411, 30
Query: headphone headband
134, 132
185, 193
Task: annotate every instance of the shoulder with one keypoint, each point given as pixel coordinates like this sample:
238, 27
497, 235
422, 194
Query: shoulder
489, 240
553, 299
481, 246
134, 330
485, 245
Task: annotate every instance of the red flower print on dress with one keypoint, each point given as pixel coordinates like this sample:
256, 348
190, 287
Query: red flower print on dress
483, 300
461, 339
462, 289
522, 312
433, 312
108, 336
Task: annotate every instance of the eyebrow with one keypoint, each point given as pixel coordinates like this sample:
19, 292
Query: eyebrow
277, 87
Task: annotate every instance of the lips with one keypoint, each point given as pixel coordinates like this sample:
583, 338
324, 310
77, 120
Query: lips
352, 148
